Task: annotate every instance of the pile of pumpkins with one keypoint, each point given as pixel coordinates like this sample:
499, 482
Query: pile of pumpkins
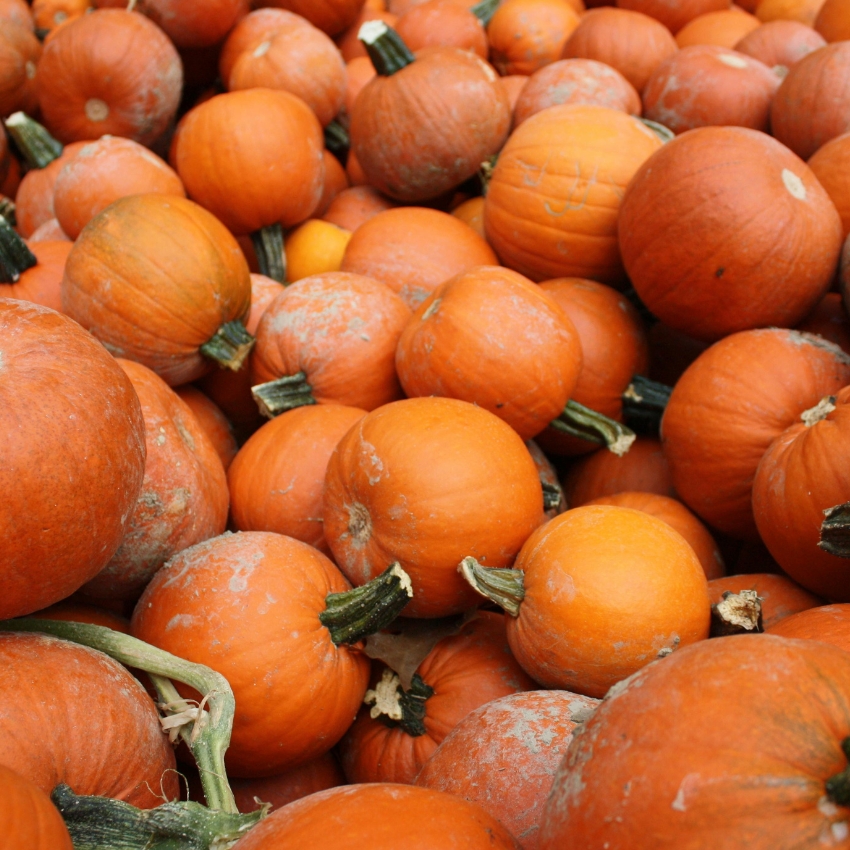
422, 424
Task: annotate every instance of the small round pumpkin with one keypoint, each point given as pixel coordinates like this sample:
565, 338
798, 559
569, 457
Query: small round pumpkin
723, 28
29, 817
780, 43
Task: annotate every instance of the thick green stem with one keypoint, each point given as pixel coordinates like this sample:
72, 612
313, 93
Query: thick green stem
206, 728
389, 54
337, 140
230, 345
484, 10
644, 402
502, 586
394, 706
838, 786
835, 531
553, 495
282, 394
586, 424
268, 246
15, 257
354, 614
33, 142
8, 210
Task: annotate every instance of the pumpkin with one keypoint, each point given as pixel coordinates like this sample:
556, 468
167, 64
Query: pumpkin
314, 247
811, 105
277, 477
359, 71
833, 22
443, 23
766, 260
825, 623
780, 43
805, 11
49, 14
425, 122
631, 42
20, 53
597, 593
829, 319
386, 498
213, 422
70, 492
349, 42
791, 492
72, 611
40, 282
50, 231
159, 280
354, 206
520, 735
727, 408
104, 171
491, 337
330, 16
724, 28
831, 165
188, 24
471, 212
698, 734
399, 727
110, 71
576, 81
71, 714
29, 817
554, 196
674, 15
336, 181
382, 816
296, 682
17, 12
780, 596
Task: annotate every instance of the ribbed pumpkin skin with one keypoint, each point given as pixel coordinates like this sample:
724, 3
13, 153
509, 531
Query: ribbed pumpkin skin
29, 819
428, 127
71, 714
191, 24
296, 692
553, 200
724, 28
826, 623
725, 230
153, 277
725, 744
381, 816
443, 23
781, 597
386, 498
504, 755
42, 283
780, 43
728, 407
831, 165
72, 460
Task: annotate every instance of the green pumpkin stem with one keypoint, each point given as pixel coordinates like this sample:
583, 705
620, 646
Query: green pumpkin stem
15, 257
835, 531
663, 133
644, 402
32, 140
268, 246
484, 10
8, 210
586, 424
396, 707
337, 140
502, 586
282, 394
204, 728
553, 495
389, 54
230, 345
838, 786
354, 614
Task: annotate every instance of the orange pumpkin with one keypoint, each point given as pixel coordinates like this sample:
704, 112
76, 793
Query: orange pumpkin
212, 420
674, 15
826, 623
20, 53
29, 817
833, 21
805, 11
831, 165
330, 16
829, 319
780, 43
192, 25
443, 23
40, 282
724, 28
355, 205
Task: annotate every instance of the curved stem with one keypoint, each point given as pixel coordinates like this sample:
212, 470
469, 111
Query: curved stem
389, 54
395, 706
282, 394
33, 142
337, 140
644, 402
353, 614
586, 424
484, 10
15, 257
502, 586
268, 246
835, 531
230, 345
838, 786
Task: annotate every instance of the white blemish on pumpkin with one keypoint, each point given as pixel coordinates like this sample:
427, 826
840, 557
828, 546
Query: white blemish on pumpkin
181, 621
262, 49
733, 61
359, 525
96, 109
679, 803
840, 831
29, 69
827, 808
794, 184
432, 308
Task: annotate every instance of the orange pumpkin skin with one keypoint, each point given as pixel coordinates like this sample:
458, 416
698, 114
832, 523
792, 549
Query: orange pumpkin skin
833, 21
582, 581
111, 71
17, 12
675, 514
71, 714
729, 406
355, 816
153, 277
104, 171
465, 671
553, 200
724, 28
190, 24
781, 597
288, 711
20, 53
826, 623
831, 165
699, 734
633, 43
41, 283
83, 612
28, 816
780, 43
454, 115
184, 496
386, 498
248, 33
674, 14
442, 23
805, 11
792, 489
523, 734
584, 81
813, 103
694, 88
277, 478
68, 494
330, 16
212, 420
766, 260
414, 249
491, 337
350, 45
829, 319
355, 205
